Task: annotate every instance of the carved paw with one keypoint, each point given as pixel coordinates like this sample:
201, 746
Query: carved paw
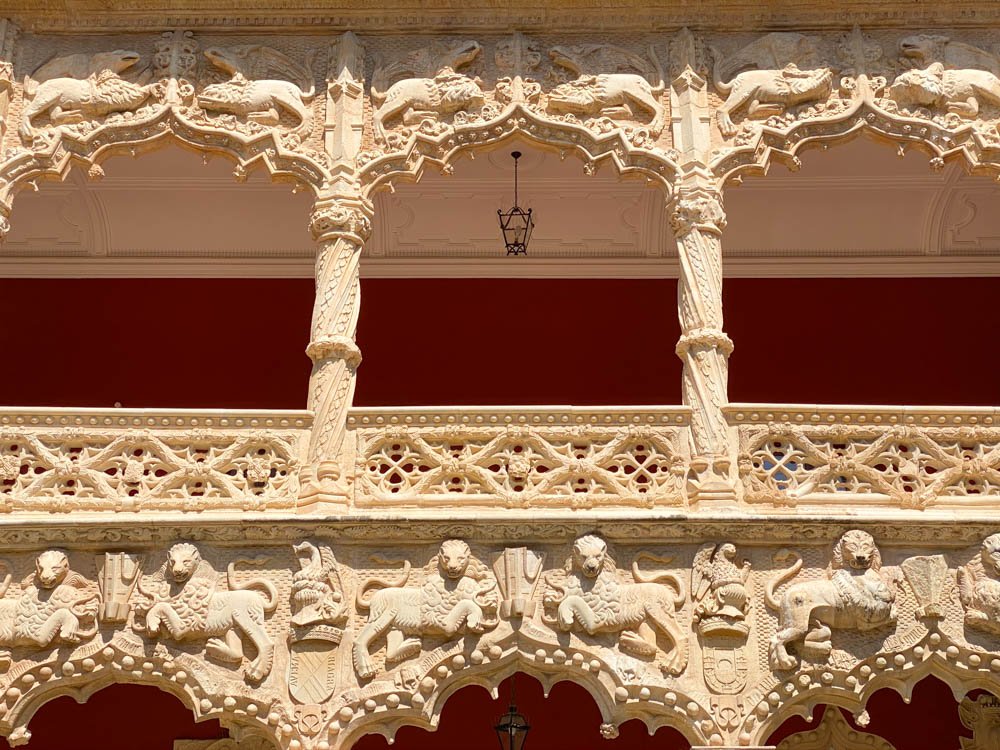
365, 667
256, 672
218, 649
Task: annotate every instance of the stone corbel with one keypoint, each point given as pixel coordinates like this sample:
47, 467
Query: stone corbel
345, 110
341, 225
697, 219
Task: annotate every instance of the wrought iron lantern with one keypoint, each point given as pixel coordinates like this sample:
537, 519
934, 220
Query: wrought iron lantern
512, 728
516, 223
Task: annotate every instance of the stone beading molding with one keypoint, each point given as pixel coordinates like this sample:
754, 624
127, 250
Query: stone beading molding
318, 599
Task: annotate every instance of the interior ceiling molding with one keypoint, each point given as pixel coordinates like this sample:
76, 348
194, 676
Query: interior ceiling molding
61, 267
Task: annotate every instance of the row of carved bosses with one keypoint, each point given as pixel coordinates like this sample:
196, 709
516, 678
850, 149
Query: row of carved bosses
598, 83
186, 599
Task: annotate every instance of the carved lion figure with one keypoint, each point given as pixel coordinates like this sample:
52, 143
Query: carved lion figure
459, 596
589, 596
100, 90
414, 99
979, 587
56, 605
181, 598
855, 596
961, 92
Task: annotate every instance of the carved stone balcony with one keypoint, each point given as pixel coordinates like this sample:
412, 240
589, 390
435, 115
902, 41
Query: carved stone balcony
906, 457
58, 460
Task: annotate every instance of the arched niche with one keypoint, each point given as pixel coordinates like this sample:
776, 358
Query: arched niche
117, 717
929, 718
567, 717
154, 287
855, 268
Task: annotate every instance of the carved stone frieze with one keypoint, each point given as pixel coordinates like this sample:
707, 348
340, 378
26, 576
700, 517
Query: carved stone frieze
979, 587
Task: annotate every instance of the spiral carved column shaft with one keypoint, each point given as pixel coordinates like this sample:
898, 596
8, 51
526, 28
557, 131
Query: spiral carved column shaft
697, 221
341, 227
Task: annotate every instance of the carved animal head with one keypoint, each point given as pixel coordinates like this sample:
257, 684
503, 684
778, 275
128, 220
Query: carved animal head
922, 87
116, 61
856, 549
923, 48
453, 558
222, 59
727, 551
990, 554
51, 568
461, 54
182, 561
590, 555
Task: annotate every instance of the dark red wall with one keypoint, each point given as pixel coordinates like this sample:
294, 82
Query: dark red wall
238, 343
120, 717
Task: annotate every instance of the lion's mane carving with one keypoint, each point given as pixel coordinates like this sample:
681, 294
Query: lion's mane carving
181, 598
77, 90
56, 605
960, 92
979, 587
855, 596
588, 596
459, 596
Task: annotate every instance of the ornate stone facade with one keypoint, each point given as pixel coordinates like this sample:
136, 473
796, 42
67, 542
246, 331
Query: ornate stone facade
314, 576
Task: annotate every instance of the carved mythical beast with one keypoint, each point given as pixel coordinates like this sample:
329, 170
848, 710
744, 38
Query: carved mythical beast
777, 71
56, 605
979, 587
414, 99
459, 596
77, 88
181, 598
247, 94
855, 596
589, 596
961, 92
612, 95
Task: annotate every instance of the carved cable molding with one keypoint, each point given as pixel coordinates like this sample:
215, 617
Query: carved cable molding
126, 461
317, 642
916, 464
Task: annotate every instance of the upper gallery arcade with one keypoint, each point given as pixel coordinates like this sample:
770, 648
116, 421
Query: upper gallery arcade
189, 198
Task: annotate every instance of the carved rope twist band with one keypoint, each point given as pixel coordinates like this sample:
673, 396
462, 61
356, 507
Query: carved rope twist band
340, 347
704, 338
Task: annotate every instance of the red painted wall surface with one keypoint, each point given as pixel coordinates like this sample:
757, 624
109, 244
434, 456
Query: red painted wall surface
238, 343
119, 717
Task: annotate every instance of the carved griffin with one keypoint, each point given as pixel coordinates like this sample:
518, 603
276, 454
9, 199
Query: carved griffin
459, 596
443, 92
775, 72
181, 599
924, 49
961, 92
719, 589
316, 587
56, 605
588, 596
247, 94
612, 95
979, 587
855, 596
77, 88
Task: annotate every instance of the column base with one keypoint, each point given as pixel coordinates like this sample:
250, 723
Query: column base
321, 484
709, 480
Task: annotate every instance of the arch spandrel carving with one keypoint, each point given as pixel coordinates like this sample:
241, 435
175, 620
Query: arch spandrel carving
439, 98
785, 91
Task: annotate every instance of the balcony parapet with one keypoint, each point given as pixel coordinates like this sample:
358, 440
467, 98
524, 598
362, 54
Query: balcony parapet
520, 457
898, 457
91, 460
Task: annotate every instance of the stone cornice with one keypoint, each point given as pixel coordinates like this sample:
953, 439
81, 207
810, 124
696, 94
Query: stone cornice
489, 15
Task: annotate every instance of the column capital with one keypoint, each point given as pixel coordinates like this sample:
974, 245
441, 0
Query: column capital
341, 217
697, 208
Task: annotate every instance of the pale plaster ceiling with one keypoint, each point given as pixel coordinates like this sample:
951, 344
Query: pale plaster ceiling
857, 209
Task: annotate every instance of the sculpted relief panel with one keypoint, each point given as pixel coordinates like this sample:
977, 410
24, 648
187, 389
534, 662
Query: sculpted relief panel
314, 641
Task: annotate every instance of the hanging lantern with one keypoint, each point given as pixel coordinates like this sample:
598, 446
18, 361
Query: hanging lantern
512, 728
516, 223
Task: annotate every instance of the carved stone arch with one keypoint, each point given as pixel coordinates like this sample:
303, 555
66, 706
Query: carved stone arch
62, 153
942, 145
662, 707
950, 665
377, 171
84, 671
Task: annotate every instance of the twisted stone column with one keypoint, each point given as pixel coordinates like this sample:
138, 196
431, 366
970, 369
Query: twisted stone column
697, 221
341, 226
